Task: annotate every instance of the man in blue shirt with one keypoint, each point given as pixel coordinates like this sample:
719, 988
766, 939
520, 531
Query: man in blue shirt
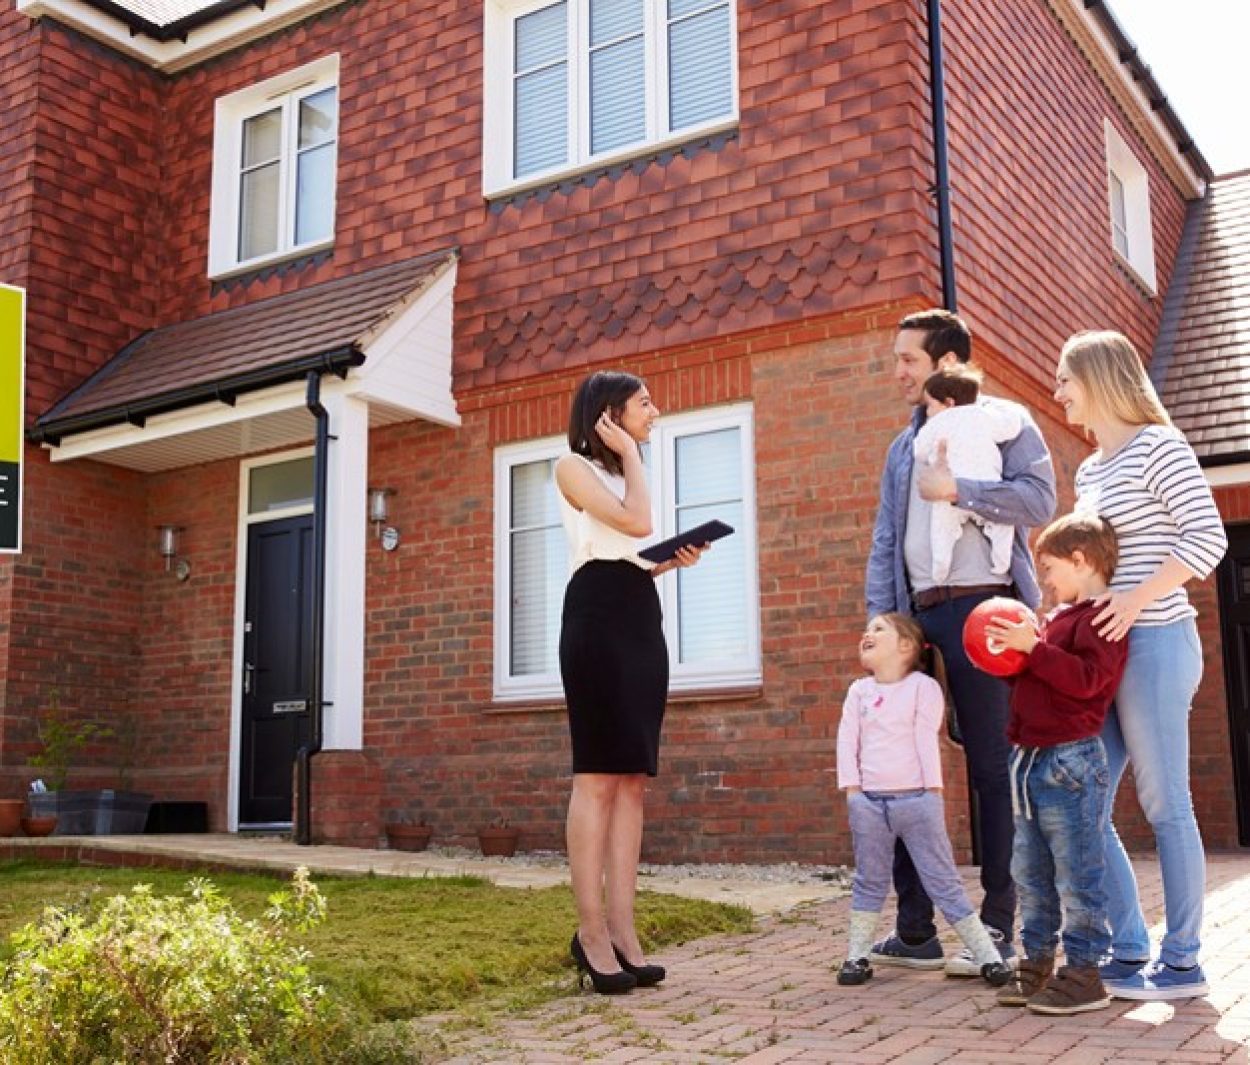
900, 578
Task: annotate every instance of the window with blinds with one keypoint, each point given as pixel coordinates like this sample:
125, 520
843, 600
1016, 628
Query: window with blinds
274, 169
590, 80
701, 466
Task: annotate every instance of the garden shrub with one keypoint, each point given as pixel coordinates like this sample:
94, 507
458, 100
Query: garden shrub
151, 980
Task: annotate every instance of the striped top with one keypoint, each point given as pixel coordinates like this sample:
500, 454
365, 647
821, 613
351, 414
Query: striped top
1154, 495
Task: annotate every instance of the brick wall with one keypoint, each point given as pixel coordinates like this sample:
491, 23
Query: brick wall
75, 614
743, 270
815, 205
1029, 187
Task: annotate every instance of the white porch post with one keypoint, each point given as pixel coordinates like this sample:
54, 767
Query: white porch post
347, 478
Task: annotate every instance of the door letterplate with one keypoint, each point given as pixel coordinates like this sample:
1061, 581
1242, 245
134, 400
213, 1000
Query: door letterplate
291, 706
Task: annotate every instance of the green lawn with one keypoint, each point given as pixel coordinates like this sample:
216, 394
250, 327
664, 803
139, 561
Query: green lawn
392, 948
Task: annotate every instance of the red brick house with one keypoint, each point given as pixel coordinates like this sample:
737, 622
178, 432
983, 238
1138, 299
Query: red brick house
429, 220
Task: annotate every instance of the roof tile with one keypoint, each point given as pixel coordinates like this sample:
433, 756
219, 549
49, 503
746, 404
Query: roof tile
1202, 358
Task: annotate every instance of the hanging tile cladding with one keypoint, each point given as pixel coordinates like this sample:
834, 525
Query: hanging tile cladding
817, 204
91, 165
19, 62
1029, 187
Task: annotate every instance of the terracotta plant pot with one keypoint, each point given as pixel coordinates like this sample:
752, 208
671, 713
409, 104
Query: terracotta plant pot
498, 842
11, 811
404, 837
38, 826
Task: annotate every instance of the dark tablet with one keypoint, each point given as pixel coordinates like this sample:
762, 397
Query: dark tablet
700, 534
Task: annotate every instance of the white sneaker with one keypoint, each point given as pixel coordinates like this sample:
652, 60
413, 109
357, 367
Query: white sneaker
961, 964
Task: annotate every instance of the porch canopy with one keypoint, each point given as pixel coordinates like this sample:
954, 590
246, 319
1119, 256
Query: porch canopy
232, 383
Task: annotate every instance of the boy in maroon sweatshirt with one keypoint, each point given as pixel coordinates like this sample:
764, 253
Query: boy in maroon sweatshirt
1059, 777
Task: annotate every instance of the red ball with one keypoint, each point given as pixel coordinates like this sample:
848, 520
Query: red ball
986, 654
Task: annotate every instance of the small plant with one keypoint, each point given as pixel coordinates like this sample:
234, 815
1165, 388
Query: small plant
61, 738
409, 817
177, 980
127, 736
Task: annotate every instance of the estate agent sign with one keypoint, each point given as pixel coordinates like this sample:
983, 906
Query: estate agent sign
12, 338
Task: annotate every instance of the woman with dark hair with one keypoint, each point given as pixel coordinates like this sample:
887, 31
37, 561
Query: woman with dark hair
614, 664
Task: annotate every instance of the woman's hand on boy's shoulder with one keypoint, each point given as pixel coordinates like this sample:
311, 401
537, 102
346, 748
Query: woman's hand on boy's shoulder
1119, 610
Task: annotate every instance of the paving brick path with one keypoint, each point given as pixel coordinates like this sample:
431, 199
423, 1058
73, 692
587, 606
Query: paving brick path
769, 998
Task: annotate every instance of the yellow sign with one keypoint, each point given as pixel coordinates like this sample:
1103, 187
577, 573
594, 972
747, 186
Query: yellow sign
12, 388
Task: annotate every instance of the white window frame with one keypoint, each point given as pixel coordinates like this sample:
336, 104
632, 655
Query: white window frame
741, 671
231, 113
498, 125
1138, 232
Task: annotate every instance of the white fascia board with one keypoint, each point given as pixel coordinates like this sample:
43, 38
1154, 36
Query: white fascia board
1228, 476
177, 423
203, 42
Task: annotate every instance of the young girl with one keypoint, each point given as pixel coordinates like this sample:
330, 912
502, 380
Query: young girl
889, 764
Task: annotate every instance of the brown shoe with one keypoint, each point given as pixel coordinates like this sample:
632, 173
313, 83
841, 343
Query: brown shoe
1071, 990
1027, 980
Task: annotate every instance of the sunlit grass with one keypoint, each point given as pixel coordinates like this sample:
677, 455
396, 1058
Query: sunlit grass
397, 948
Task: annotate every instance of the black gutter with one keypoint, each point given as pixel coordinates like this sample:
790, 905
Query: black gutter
1230, 458
1127, 52
179, 28
316, 694
941, 160
225, 390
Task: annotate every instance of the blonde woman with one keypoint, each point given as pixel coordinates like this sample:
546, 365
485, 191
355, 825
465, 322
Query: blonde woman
1144, 479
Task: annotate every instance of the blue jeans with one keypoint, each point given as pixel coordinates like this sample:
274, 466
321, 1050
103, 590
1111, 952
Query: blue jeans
981, 710
1149, 726
918, 819
1057, 859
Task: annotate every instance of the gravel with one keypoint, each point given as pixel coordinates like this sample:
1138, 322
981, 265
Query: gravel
781, 873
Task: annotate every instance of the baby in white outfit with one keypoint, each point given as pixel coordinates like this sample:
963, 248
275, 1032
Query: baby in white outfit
973, 428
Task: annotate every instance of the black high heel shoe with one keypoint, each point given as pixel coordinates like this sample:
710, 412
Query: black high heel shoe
604, 983
646, 975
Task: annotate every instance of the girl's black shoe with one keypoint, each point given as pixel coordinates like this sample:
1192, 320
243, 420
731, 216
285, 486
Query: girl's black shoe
996, 974
646, 975
854, 971
604, 983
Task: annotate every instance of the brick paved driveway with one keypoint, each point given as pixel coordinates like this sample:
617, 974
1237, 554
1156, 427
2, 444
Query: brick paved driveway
770, 997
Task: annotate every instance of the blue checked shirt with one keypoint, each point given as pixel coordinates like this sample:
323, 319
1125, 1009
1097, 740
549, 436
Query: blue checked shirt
1025, 497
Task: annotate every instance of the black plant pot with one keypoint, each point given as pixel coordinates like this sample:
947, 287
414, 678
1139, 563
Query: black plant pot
99, 812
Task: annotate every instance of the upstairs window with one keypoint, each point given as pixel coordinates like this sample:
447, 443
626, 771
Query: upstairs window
1128, 195
275, 149
577, 83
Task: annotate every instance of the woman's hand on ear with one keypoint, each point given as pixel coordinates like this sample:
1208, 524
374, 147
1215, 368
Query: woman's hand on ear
614, 436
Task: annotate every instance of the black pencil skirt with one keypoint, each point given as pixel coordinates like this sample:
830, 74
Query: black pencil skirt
614, 664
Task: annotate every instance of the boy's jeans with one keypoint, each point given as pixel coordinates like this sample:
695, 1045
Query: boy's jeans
1060, 804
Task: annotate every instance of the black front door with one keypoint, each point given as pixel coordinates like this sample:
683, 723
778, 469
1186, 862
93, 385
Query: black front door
276, 647
1234, 584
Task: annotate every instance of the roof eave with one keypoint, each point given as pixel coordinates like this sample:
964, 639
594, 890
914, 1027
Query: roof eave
338, 361
1157, 98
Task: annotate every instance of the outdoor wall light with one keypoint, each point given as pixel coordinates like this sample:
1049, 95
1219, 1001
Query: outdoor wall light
167, 545
379, 513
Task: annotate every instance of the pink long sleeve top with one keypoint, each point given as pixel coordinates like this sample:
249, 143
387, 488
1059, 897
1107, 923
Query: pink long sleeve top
888, 736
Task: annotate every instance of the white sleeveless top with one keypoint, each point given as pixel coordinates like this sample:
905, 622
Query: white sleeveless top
590, 538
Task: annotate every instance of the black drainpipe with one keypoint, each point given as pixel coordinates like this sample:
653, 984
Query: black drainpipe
304, 757
946, 249
941, 186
